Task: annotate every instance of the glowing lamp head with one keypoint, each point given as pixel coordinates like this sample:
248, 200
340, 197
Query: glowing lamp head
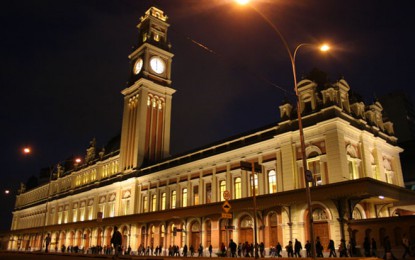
26, 150
242, 2
6, 192
78, 160
324, 47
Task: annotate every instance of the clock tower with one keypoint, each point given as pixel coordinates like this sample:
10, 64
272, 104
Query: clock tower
145, 133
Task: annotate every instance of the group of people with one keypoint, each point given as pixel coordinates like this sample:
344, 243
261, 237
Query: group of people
246, 249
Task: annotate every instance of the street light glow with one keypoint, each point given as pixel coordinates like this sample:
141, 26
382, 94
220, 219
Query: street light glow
6, 192
242, 2
26, 150
324, 47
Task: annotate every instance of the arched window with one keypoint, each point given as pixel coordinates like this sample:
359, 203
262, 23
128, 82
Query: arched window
173, 199
254, 183
163, 201
222, 188
184, 197
145, 204
238, 188
272, 181
154, 202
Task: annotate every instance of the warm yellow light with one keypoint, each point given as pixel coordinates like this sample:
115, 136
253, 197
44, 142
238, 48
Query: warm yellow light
6, 192
26, 150
78, 160
324, 47
242, 2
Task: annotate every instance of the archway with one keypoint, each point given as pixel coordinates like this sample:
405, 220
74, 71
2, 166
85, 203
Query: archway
195, 234
272, 229
320, 225
246, 231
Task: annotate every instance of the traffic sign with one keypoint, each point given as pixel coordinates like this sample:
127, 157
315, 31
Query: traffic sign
226, 206
226, 215
227, 195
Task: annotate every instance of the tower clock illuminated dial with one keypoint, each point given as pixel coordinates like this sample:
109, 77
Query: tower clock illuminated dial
138, 65
157, 64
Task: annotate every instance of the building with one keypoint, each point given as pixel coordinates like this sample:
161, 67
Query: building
207, 196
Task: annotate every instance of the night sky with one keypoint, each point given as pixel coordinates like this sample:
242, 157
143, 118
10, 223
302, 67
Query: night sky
64, 64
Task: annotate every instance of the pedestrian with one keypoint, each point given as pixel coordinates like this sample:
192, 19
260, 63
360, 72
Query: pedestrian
319, 248
200, 250
47, 242
210, 250
278, 248
289, 249
192, 250
116, 240
405, 244
232, 246
308, 248
185, 250
332, 248
297, 248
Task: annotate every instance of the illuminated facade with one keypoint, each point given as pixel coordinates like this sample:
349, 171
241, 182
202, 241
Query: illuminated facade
158, 199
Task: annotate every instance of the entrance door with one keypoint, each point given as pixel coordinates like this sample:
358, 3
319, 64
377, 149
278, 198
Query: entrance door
246, 235
321, 229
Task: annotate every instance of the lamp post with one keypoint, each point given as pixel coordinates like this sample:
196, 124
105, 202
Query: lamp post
51, 170
307, 174
254, 168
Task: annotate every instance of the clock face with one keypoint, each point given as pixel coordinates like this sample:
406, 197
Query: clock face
157, 64
138, 65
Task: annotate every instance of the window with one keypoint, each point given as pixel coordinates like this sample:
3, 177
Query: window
154, 202
163, 201
314, 167
238, 188
145, 204
208, 192
184, 194
222, 188
255, 184
272, 181
173, 199
196, 195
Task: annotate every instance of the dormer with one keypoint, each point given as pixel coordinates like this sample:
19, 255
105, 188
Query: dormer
307, 94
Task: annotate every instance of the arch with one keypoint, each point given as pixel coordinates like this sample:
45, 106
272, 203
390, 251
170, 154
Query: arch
195, 234
312, 151
246, 229
321, 218
272, 227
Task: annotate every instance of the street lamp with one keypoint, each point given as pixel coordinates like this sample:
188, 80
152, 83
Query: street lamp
307, 174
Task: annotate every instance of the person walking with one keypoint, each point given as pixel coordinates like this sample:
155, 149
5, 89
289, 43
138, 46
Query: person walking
116, 240
47, 242
289, 249
332, 248
210, 250
319, 248
308, 248
297, 248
